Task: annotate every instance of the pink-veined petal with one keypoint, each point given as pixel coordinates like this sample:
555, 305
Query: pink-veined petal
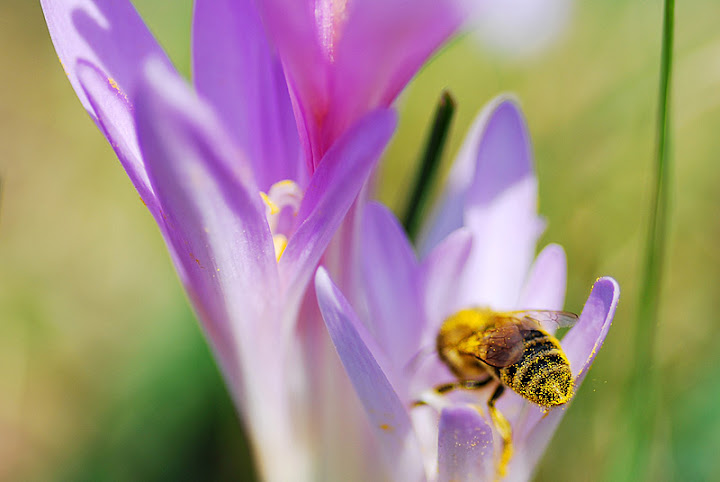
581, 345
380, 47
465, 446
292, 26
345, 58
387, 414
236, 71
332, 190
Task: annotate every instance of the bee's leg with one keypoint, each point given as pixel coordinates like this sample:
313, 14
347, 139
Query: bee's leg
504, 429
463, 385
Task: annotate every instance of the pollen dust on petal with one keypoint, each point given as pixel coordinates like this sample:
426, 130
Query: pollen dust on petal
113, 83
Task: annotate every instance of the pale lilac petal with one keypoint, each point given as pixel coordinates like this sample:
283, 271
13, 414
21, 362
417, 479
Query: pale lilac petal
584, 340
581, 345
450, 210
115, 119
236, 71
442, 272
492, 190
106, 33
332, 190
465, 446
391, 273
546, 284
441, 276
110, 38
386, 412
501, 211
214, 219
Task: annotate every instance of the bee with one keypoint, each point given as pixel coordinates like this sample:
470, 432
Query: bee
512, 349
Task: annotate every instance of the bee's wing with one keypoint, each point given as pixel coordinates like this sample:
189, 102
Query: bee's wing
501, 346
560, 319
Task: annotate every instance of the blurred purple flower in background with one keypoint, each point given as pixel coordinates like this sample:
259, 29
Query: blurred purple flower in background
480, 254
246, 199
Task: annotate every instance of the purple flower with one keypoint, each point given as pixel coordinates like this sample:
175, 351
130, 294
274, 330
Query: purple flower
480, 253
345, 57
249, 175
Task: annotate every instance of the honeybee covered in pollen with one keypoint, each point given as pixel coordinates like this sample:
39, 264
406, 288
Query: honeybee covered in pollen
510, 349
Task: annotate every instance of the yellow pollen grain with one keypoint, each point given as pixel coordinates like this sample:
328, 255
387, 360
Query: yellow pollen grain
113, 84
386, 427
280, 243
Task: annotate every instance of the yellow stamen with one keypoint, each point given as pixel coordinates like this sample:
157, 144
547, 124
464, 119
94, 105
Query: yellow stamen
280, 243
273, 208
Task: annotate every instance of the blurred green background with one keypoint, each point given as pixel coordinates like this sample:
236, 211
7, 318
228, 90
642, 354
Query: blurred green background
104, 374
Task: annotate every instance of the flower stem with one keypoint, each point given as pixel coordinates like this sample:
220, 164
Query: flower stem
429, 164
644, 389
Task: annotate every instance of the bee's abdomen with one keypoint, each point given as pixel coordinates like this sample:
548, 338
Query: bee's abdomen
543, 373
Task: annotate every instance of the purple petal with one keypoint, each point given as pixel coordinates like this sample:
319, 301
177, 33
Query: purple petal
115, 119
501, 210
441, 275
214, 220
581, 345
381, 46
292, 26
546, 284
584, 340
391, 273
344, 59
450, 211
332, 190
236, 71
384, 409
442, 272
106, 33
111, 39
465, 446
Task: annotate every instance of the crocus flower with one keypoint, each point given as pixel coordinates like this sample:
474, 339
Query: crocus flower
486, 230
245, 217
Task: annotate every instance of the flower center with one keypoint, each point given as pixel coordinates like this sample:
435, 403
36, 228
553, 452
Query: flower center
282, 203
